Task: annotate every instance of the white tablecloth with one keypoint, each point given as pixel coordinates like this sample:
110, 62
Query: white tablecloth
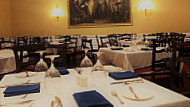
7, 61
66, 86
128, 60
187, 39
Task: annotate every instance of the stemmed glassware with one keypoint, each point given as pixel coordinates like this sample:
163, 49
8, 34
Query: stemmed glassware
99, 74
98, 66
86, 62
41, 65
52, 71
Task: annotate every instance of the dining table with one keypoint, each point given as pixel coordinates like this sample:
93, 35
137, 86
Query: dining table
67, 86
130, 58
7, 61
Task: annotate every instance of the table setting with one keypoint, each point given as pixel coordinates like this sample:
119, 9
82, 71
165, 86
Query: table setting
69, 94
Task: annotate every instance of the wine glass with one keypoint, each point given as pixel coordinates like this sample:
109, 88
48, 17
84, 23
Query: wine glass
86, 62
99, 74
52, 71
98, 66
41, 65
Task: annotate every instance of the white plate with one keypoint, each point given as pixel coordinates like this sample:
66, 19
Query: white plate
142, 94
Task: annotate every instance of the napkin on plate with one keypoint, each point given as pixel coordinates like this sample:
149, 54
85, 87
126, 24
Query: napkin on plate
91, 99
62, 70
146, 49
116, 48
122, 75
21, 89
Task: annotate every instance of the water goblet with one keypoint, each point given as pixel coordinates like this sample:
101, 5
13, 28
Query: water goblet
86, 62
52, 71
41, 65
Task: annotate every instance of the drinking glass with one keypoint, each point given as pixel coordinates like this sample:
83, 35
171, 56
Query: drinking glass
99, 74
52, 71
86, 62
98, 66
41, 65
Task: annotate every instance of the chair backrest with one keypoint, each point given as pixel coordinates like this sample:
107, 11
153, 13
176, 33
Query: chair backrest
60, 61
104, 41
180, 55
86, 44
22, 41
6, 44
72, 43
113, 40
36, 40
30, 49
126, 37
159, 64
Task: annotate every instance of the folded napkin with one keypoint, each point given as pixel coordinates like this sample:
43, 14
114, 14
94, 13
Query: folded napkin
22, 89
122, 75
125, 45
146, 49
151, 45
62, 70
91, 99
116, 48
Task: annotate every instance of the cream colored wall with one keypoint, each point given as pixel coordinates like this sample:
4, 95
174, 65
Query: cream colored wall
5, 18
33, 17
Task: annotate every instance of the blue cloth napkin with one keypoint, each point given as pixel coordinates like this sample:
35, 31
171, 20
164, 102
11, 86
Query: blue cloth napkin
62, 70
125, 45
151, 45
146, 49
122, 75
91, 99
116, 48
22, 89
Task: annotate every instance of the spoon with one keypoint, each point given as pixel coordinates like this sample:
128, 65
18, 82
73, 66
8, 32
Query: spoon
113, 92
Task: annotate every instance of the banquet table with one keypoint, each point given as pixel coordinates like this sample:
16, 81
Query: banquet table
66, 86
7, 61
129, 58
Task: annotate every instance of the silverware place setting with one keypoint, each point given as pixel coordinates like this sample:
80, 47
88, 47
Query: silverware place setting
127, 82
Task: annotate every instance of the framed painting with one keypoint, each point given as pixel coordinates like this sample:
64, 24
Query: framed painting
99, 13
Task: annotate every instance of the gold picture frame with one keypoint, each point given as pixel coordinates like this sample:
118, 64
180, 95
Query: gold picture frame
99, 13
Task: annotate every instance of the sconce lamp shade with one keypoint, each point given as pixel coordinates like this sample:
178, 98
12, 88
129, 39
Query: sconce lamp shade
57, 12
146, 5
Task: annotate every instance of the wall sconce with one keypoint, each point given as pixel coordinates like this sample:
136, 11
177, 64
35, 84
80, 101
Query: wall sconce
57, 12
146, 6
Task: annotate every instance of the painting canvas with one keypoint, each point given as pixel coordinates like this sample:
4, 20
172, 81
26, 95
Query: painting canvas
96, 13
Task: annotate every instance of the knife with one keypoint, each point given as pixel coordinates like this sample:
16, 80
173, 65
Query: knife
128, 81
16, 103
132, 91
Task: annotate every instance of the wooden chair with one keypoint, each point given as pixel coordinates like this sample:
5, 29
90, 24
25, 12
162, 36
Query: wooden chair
104, 41
126, 37
33, 57
72, 50
87, 44
21, 41
6, 44
61, 50
160, 69
113, 40
180, 55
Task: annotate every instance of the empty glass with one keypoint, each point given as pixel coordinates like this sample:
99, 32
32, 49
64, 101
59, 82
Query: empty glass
99, 74
98, 66
41, 65
52, 71
86, 62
